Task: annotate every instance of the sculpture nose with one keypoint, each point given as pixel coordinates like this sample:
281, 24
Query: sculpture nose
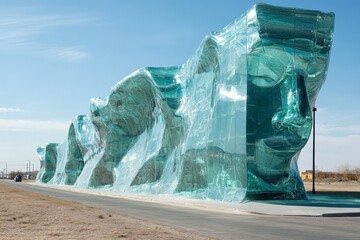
295, 113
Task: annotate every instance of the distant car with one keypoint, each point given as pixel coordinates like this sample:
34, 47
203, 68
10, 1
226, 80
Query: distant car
18, 178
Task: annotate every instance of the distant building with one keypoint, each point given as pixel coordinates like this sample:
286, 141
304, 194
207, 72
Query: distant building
306, 175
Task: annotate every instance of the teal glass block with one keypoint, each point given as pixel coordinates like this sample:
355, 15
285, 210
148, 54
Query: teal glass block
228, 125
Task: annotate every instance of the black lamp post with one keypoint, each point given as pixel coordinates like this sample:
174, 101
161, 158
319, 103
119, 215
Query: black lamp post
313, 178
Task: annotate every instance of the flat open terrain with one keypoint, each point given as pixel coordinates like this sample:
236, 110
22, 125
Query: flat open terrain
27, 210
27, 215
348, 189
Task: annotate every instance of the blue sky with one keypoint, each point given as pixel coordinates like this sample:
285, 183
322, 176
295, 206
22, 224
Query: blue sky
56, 55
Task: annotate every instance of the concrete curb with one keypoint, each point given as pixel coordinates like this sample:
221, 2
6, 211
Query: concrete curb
349, 214
270, 208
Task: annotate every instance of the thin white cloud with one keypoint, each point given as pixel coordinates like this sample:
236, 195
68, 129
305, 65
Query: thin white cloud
71, 54
32, 125
330, 122
15, 26
337, 140
10, 110
22, 30
331, 153
330, 129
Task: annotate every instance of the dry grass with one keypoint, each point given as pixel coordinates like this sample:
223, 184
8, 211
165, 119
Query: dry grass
336, 177
26, 215
345, 189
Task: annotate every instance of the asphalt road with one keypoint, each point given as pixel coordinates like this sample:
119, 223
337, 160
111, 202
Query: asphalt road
214, 224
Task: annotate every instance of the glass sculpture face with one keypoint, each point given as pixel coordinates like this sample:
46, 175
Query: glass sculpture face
228, 125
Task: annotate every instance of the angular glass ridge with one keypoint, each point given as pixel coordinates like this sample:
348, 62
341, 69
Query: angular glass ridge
227, 125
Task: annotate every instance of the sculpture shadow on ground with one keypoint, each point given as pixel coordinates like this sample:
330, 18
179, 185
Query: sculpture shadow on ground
324, 199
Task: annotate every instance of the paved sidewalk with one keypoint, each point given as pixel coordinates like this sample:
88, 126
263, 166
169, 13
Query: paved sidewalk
325, 205
318, 205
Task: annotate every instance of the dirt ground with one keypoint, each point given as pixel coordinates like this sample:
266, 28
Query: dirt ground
27, 215
346, 189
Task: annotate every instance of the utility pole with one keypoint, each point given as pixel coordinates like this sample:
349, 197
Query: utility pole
6, 170
313, 178
29, 174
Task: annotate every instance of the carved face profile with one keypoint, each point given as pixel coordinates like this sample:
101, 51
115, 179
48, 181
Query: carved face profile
228, 124
286, 69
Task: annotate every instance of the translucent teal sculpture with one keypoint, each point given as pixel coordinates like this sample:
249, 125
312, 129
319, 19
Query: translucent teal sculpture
228, 125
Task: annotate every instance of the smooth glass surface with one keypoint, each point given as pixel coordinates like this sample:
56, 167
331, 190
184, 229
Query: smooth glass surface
228, 125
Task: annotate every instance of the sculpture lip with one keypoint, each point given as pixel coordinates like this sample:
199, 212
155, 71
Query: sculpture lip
283, 144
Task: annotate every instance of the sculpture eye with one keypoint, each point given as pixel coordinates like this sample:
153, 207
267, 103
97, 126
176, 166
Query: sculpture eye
118, 103
96, 113
267, 66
